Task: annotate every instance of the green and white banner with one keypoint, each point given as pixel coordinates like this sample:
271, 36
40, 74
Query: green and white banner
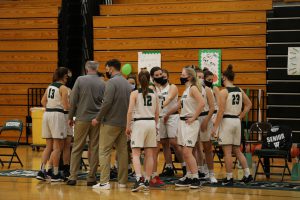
211, 59
148, 60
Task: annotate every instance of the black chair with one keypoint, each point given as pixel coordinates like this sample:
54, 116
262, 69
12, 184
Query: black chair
9, 127
257, 132
218, 151
270, 151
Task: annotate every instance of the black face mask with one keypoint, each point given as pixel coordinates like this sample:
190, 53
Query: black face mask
159, 80
222, 83
108, 75
208, 84
183, 80
164, 81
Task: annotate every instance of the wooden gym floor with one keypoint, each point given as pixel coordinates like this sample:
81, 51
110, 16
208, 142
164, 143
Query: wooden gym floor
30, 188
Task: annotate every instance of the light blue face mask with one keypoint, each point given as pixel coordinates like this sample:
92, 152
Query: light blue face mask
132, 86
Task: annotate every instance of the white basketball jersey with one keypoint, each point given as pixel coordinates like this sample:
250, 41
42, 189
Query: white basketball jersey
53, 96
188, 104
215, 101
164, 93
206, 106
145, 107
234, 101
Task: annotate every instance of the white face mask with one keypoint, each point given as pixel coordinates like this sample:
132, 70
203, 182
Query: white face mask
132, 86
69, 74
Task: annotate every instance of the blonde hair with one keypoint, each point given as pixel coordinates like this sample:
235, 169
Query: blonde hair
192, 73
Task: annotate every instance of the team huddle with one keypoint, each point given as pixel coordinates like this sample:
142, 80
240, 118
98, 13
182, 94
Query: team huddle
155, 117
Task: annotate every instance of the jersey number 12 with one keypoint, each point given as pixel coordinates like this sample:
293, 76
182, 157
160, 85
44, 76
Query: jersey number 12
148, 101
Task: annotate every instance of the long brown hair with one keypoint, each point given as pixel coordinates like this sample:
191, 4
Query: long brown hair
144, 79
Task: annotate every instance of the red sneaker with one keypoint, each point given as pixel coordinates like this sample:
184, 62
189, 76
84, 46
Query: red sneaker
156, 182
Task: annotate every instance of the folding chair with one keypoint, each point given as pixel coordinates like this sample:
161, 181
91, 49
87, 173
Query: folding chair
269, 151
217, 150
8, 127
258, 131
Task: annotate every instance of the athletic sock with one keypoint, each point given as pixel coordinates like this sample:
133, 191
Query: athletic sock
246, 172
154, 174
55, 170
201, 169
169, 166
42, 167
188, 175
229, 176
195, 176
147, 178
138, 177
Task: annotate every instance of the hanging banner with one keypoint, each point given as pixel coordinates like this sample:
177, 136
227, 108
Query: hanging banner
148, 60
211, 59
293, 61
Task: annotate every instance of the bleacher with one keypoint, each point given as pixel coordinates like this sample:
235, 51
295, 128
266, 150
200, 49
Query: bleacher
180, 28
28, 52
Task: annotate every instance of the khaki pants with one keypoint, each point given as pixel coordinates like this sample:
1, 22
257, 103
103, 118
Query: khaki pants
81, 131
110, 135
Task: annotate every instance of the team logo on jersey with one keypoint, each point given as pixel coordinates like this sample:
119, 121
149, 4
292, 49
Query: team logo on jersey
132, 142
189, 142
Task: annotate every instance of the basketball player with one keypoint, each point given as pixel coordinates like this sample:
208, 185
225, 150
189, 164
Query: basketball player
55, 100
67, 142
198, 150
169, 124
229, 117
144, 103
191, 106
206, 124
156, 76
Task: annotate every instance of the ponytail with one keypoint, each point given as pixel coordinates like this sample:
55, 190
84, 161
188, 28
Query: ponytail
144, 79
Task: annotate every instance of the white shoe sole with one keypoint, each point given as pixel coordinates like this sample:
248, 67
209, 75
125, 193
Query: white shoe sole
98, 186
141, 187
57, 180
180, 185
40, 178
194, 187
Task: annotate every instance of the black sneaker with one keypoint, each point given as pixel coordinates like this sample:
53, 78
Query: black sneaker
56, 178
113, 173
50, 172
184, 170
147, 185
227, 182
66, 172
202, 176
41, 175
138, 185
195, 183
168, 172
246, 179
184, 182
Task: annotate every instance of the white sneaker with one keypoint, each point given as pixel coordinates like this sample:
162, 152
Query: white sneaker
120, 185
213, 180
105, 186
